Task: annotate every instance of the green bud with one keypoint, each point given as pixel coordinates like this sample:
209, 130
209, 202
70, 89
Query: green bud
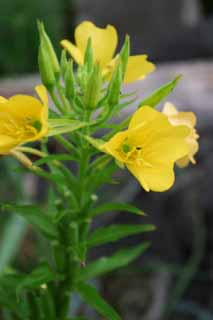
93, 87
124, 55
115, 86
69, 81
47, 44
64, 62
45, 68
88, 57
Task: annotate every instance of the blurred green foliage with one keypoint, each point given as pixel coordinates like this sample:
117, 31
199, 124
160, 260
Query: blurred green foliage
18, 31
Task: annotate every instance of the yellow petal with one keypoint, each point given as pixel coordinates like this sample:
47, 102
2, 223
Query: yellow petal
167, 146
169, 109
75, 52
22, 107
138, 68
188, 119
6, 144
143, 115
113, 146
104, 41
42, 93
177, 118
156, 178
2, 99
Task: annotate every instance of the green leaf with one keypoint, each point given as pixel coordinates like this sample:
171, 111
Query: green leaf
108, 264
53, 157
113, 206
92, 297
96, 143
60, 126
11, 238
157, 96
115, 232
35, 216
41, 275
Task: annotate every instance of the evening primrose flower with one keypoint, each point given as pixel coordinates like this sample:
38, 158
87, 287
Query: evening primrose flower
188, 119
104, 43
149, 148
22, 119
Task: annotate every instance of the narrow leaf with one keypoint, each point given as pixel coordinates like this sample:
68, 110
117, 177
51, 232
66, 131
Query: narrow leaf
157, 96
92, 297
113, 206
35, 216
108, 264
53, 157
41, 275
11, 238
116, 232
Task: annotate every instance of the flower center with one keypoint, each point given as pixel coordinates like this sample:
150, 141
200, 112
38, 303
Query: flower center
131, 153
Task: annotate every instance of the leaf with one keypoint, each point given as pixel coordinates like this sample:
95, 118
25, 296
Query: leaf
41, 275
157, 96
113, 206
35, 216
97, 143
11, 238
59, 126
116, 232
92, 297
107, 264
53, 157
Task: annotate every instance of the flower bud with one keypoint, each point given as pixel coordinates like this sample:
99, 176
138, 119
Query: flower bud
93, 88
115, 86
48, 47
124, 55
45, 68
64, 62
88, 56
69, 81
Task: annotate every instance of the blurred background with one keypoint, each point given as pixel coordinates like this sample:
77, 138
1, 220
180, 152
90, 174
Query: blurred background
174, 280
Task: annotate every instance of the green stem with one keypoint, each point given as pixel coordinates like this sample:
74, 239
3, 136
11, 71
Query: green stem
56, 101
63, 98
65, 143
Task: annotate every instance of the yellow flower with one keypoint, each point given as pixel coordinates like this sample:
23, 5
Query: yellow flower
149, 148
22, 118
188, 119
104, 43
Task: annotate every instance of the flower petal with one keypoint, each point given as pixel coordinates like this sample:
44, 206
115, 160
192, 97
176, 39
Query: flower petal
75, 52
143, 115
2, 99
113, 146
42, 93
6, 144
138, 68
104, 41
176, 118
156, 178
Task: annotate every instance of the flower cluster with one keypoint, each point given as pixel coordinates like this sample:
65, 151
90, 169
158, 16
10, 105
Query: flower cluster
153, 142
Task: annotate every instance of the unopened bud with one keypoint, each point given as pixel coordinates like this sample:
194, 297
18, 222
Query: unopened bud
93, 87
69, 81
45, 68
88, 57
48, 47
115, 86
124, 55
64, 62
